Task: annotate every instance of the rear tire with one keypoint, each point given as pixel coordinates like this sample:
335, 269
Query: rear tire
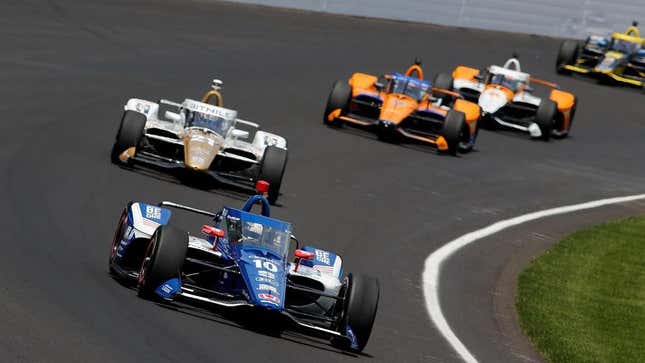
545, 118
272, 169
339, 98
454, 129
360, 309
129, 134
163, 259
566, 56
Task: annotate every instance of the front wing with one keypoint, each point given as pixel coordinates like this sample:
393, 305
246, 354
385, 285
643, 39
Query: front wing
634, 81
431, 139
157, 162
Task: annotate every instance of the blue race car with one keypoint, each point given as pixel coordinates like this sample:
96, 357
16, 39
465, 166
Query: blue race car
242, 261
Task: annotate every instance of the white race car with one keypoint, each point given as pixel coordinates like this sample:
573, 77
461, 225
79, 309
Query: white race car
506, 99
195, 138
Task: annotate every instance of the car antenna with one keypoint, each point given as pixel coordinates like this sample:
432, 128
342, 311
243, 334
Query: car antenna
515, 55
417, 61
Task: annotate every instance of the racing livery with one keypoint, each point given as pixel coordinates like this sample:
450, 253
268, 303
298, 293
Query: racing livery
200, 139
242, 262
404, 107
616, 58
505, 95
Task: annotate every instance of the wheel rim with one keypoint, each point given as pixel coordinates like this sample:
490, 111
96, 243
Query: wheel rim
145, 263
117, 237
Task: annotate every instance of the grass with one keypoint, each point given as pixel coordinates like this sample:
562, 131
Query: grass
584, 299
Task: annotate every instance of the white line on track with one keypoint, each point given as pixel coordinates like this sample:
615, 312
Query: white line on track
432, 272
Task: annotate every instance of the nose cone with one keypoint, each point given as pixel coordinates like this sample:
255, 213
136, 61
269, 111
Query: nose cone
264, 276
200, 149
609, 62
395, 108
492, 99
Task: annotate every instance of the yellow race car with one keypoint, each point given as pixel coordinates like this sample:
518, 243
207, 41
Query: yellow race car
619, 58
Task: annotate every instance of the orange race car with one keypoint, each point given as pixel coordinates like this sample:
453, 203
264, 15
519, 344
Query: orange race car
505, 95
405, 107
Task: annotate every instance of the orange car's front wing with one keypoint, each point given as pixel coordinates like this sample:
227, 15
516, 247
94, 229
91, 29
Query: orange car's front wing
439, 142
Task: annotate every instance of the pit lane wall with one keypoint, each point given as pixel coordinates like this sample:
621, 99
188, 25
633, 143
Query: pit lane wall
560, 18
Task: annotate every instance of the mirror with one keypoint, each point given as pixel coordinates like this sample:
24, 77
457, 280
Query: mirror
173, 116
380, 83
240, 134
305, 255
212, 231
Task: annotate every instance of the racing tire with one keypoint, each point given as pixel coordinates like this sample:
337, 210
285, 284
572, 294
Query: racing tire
339, 98
361, 304
272, 167
467, 145
545, 118
566, 55
443, 81
455, 130
129, 134
163, 260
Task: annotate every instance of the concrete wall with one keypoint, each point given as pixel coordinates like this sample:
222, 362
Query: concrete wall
563, 18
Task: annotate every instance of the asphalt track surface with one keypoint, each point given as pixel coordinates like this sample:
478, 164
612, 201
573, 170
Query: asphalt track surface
67, 67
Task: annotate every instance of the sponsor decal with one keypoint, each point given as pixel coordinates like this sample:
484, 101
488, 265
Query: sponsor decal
210, 109
323, 256
153, 212
142, 107
169, 288
266, 287
269, 298
270, 141
266, 274
265, 280
308, 271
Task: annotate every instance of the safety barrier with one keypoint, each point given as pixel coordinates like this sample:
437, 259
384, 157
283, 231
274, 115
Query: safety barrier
560, 18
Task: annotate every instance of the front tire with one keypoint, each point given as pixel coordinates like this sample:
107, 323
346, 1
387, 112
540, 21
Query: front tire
545, 118
129, 134
455, 130
163, 259
360, 308
339, 98
274, 163
467, 145
566, 55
